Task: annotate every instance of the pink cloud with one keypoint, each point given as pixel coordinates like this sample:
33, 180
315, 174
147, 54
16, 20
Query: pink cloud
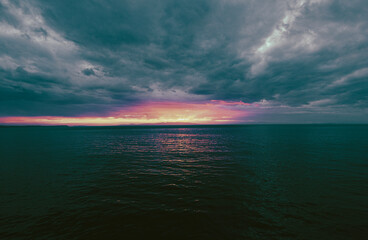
213, 112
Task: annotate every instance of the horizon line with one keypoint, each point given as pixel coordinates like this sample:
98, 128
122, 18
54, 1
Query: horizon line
176, 125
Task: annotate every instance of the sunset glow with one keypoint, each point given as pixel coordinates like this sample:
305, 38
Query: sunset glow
213, 112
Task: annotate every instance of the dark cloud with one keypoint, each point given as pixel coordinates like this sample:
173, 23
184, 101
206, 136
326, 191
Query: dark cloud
296, 59
88, 71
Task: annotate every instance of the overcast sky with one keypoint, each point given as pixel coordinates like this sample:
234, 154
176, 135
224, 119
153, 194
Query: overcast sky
296, 61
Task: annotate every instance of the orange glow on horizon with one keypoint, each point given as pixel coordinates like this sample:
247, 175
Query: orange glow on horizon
214, 112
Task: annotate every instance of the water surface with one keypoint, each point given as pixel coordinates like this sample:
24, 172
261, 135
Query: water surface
204, 182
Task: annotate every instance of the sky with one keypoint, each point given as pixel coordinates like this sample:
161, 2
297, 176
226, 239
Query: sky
114, 62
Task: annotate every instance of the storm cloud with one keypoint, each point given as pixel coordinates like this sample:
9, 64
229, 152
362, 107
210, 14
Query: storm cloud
292, 61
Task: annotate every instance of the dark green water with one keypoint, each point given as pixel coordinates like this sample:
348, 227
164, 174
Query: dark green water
240, 182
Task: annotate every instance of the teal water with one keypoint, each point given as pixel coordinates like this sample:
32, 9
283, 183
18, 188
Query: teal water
220, 182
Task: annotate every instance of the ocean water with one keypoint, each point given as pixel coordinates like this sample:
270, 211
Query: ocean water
203, 182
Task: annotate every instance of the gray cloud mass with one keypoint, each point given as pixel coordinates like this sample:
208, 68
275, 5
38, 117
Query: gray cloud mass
297, 60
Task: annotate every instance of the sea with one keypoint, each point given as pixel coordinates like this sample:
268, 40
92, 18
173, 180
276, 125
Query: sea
184, 182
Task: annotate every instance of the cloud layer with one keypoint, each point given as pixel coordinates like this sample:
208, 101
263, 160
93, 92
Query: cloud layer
290, 61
